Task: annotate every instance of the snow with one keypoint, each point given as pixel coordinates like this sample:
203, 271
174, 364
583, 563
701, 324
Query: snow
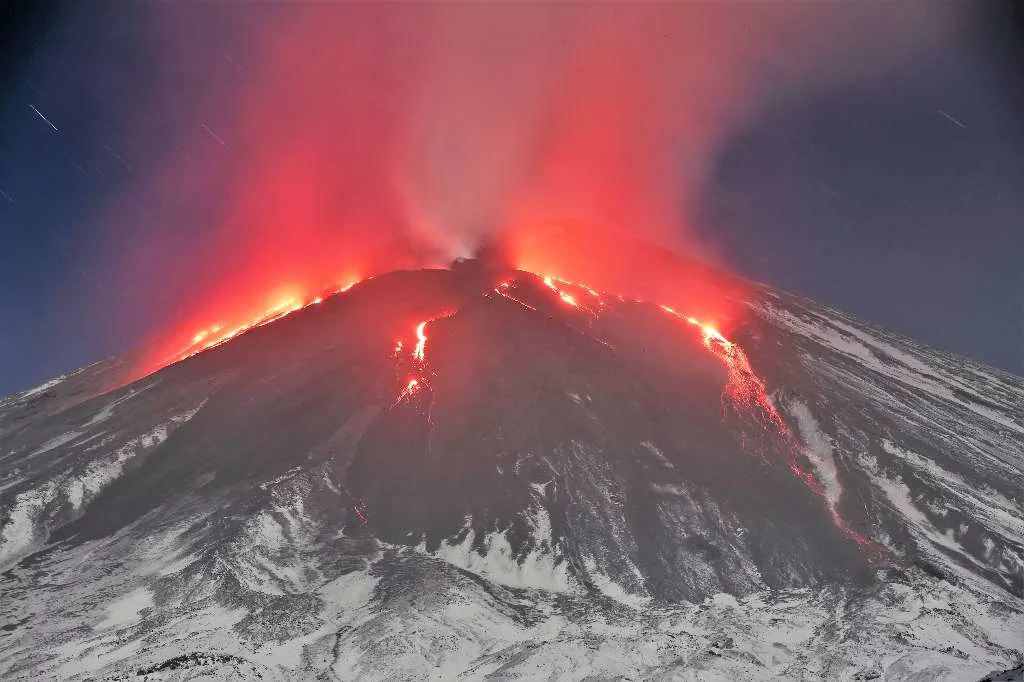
101, 472
658, 454
56, 442
107, 411
43, 387
541, 568
26, 524
899, 497
819, 451
350, 591
867, 349
20, 532
610, 588
999, 514
127, 610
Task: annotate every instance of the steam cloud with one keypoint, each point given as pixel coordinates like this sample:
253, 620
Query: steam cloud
300, 138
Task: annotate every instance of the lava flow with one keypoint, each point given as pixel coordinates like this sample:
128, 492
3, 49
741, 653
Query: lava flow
421, 373
217, 334
502, 290
744, 389
549, 282
410, 389
746, 393
420, 352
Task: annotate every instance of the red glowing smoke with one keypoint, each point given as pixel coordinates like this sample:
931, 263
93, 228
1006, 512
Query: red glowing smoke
309, 145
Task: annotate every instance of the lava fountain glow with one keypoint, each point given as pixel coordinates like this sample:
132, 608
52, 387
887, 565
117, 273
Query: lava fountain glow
309, 138
219, 333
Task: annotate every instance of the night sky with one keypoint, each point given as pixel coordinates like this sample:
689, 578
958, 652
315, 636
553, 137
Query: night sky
897, 195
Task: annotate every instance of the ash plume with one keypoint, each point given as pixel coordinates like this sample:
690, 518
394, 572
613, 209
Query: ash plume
301, 139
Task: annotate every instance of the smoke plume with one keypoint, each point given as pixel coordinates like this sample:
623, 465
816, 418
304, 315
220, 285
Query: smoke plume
300, 141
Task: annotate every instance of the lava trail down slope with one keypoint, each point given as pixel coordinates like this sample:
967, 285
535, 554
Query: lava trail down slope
493, 473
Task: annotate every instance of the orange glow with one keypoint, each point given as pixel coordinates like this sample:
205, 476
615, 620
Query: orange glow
549, 282
612, 261
443, 130
746, 392
419, 381
419, 353
217, 334
410, 389
500, 292
241, 300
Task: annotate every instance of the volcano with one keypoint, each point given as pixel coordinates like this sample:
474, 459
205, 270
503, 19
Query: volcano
486, 472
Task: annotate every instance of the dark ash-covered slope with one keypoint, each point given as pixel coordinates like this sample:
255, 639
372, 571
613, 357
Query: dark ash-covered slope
499, 491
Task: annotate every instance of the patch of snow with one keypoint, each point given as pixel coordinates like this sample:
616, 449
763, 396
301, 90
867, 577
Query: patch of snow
350, 591
269, 554
127, 610
45, 386
285, 476
107, 411
998, 513
670, 489
56, 442
100, 473
26, 523
900, 499
21, 531
103, 415
866, 348
658, 454
612, 589
542, 568
819, 450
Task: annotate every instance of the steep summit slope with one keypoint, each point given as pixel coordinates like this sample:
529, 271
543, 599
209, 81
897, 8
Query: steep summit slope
486, 472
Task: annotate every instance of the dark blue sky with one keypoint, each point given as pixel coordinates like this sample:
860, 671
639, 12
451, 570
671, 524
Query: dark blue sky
898, 197
873, 199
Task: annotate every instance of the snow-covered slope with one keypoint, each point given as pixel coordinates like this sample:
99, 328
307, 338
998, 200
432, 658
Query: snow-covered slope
571, 489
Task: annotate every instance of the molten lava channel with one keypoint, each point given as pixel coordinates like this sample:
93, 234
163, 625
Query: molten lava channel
419, 380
